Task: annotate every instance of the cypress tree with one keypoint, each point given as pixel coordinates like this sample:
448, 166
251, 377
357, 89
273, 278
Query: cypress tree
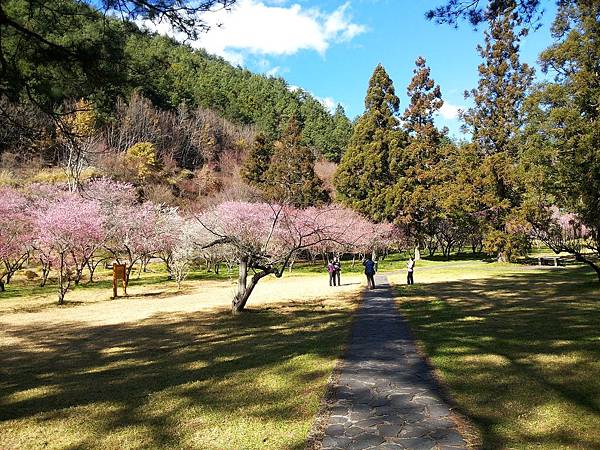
413, 197
495, 123
258, 160
495, 120
340, 135
291, 176
561, 155
364, 174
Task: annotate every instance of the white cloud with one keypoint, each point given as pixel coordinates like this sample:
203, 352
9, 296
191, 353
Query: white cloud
272, 72
449, 111
329, 103
267, 27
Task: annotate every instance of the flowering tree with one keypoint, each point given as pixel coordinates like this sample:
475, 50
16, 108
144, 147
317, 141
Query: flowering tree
71, 229
134, 233
15, 233
564, 232
172, 239
264, 238
112, 196
184, 251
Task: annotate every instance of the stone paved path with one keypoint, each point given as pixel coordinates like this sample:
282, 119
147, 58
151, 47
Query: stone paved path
385, 397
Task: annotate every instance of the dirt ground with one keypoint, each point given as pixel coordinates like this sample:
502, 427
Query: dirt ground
147, 301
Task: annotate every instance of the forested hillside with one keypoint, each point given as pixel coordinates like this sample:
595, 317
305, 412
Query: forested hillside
79, 88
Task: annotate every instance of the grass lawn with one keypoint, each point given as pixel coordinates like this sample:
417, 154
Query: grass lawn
202, 379
519, 348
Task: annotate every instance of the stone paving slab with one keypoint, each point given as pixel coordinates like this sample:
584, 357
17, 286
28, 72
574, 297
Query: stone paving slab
385, 397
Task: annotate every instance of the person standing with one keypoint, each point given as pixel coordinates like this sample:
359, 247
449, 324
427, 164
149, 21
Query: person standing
410, 268
331, 270
337, 266
369, 272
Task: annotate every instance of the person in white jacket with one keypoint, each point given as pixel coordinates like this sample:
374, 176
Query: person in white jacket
410, 267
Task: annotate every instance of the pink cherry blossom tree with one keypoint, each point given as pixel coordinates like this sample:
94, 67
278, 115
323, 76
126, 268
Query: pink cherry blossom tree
565, 232
184, 250
264, 238
70, 228
135, 233
172, 239
15, 233
113, 197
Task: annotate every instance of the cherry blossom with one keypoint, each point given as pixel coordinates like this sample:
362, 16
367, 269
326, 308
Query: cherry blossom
15, 233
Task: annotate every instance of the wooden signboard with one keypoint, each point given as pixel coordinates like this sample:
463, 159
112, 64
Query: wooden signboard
119, 273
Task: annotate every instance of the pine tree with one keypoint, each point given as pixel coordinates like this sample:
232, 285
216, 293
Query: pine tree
364, 175
258, 160
291, 175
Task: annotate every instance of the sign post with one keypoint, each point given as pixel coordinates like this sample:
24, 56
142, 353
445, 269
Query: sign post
119, 272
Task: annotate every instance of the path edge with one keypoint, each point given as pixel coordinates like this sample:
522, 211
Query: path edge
465, 426
316, 434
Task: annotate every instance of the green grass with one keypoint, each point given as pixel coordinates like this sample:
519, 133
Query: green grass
518, 349
208, 380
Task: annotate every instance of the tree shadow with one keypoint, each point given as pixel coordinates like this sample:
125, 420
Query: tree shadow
463, 256
163, 374
519, 352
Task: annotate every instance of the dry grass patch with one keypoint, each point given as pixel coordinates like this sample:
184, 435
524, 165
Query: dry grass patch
197, 378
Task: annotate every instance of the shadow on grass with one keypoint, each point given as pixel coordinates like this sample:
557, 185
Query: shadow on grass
463, 256
186, 380
520, 353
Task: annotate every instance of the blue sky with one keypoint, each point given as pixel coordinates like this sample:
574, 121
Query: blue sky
331, 47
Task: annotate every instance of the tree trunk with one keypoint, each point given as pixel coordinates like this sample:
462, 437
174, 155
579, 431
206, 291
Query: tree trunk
45, 273
244, 289
8, 277
168, 267
417, 253
61, 280
78, 275
241, 297
2, 286
92, 269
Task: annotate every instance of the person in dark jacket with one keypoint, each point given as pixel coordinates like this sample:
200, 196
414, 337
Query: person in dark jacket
337, 266
331, 270
370, 270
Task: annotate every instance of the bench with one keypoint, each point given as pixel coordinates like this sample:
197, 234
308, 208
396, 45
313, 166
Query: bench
551, 260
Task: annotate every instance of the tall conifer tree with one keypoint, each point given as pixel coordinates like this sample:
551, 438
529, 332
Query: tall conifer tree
291, 176
364, 173
413, 198
495, 123
562, 151
258, 160
340, 135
